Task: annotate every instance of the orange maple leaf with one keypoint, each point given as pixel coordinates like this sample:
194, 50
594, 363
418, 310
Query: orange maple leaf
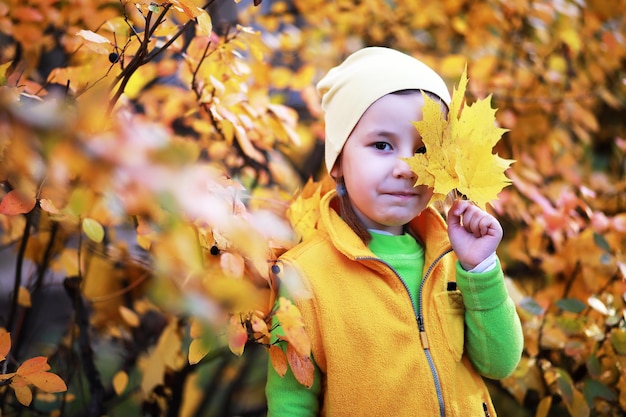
459, 150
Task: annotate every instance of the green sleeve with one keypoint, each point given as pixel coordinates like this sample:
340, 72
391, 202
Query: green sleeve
286, 397
493, 332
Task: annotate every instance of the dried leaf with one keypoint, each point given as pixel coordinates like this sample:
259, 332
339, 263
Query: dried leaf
48, 206
279, 360
301, 366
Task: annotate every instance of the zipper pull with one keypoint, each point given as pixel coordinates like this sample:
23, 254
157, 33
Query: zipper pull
423, 337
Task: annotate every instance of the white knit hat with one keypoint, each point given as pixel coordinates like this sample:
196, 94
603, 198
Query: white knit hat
368, 74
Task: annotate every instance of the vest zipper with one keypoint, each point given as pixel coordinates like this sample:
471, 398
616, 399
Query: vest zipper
420, 322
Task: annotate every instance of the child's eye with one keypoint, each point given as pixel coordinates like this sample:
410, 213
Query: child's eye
421, 150
382, 146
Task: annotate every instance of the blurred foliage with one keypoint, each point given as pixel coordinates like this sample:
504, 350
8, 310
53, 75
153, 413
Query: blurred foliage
150, 152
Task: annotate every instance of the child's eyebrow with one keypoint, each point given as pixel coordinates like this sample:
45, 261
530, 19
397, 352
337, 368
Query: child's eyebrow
387, 134
382, 133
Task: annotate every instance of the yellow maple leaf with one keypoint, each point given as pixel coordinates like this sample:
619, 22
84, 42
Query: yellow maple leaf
291, 321
303, 211
460, 148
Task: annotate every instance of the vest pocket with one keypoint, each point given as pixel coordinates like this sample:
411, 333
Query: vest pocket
451, 311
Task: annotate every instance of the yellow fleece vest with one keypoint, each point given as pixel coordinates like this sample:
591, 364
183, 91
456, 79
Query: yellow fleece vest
364, 331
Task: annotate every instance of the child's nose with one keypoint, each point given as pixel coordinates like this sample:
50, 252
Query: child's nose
402, 170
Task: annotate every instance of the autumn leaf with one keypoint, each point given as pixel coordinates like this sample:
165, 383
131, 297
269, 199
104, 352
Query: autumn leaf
46, 381
23, 393
259, 325
120, 382
278, 359
33, 366
237, 335
35, 372
130, 317
93, 41
459, 150
291, 321
23, 297
301, 366
93, 229
198, 349
15, 203
5, 344
303, 212
48, 206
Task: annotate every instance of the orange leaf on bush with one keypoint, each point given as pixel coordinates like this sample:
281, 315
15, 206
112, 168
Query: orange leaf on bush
15, 203
5, 344
259, 325
279, 360
33, 366
301, 366
23, 393
46, 381
237, 335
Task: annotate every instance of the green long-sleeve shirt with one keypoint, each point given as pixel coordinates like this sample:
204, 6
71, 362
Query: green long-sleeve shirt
487, 317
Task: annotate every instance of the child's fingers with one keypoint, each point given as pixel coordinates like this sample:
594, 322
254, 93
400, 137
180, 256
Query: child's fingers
472, 218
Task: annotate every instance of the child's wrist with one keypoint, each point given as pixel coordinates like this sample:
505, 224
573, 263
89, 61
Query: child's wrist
486, 265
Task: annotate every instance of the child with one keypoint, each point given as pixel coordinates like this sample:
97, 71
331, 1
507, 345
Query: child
406, 313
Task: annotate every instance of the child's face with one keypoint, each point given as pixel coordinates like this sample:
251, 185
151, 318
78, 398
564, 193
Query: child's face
378, 182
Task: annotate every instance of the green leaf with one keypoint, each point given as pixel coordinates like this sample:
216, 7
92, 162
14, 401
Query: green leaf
573, 305
601, 242
80, 200
565, 385
618, 340
571, 326
596, 389
93, 230
593, 366
530, 305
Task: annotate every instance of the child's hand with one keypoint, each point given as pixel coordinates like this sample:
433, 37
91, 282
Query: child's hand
474, 233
